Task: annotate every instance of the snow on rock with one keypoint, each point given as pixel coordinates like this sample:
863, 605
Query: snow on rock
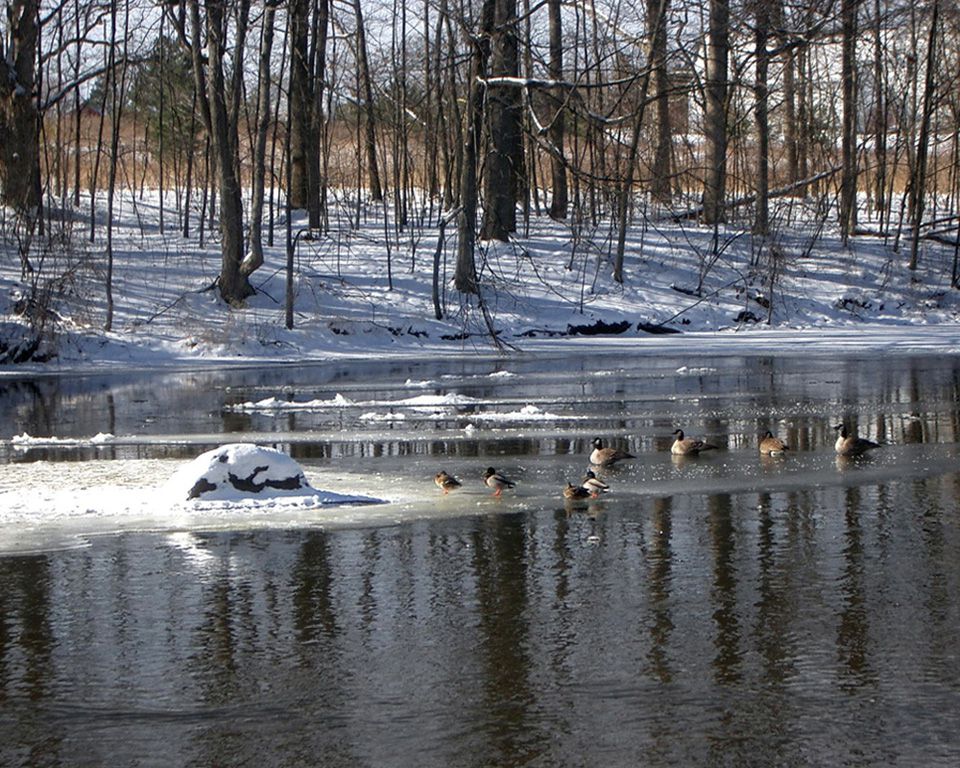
241, 471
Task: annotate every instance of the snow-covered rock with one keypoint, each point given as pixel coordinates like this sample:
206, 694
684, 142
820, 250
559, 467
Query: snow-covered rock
239, 471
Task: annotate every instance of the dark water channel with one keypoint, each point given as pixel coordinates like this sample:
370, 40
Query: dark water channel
722, 611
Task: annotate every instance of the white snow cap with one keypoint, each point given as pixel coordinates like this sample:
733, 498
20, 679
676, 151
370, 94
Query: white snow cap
239, 471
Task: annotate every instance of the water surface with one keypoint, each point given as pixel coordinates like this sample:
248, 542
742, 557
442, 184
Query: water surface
719, 611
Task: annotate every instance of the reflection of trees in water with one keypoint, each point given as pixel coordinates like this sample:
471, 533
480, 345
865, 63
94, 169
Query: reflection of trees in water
27, 646
727, 661
500, 555
25, 629
314, 613
853, 624
660, 569
775, 613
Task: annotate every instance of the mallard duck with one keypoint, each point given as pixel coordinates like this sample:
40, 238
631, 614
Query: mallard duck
607, 457
593, 484
575, 492
689, 446
771, 445
849, 444
497, 481
445, 482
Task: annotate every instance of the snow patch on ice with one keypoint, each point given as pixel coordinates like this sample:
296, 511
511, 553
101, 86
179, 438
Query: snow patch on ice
24, 441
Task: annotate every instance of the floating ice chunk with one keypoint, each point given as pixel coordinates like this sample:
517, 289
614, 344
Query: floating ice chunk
374, 417
26, 440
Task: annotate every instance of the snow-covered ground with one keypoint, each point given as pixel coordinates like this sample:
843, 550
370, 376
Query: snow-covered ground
366, 292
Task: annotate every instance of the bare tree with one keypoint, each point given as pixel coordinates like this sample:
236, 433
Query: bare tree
19, 145
299, 102
255, 251
715, 116
918, 182
209, 33
879, 116
117, 88
848, 139
656, 23
465, 275
504, 158
316, 202
370, 122
558, 166
626, 184
761, 222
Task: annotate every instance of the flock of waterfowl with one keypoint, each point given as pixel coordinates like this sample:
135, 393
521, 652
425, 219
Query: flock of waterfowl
848, 444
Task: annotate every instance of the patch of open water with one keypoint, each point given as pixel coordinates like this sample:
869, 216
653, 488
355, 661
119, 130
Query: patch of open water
719, 610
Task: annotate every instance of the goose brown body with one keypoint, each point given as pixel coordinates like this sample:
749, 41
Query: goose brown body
848, 444
771, 445
607, 457
689, 446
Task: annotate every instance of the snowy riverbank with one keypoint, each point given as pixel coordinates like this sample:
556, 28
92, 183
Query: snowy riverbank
360, 294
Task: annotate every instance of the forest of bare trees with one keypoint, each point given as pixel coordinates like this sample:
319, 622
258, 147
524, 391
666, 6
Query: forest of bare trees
478, 114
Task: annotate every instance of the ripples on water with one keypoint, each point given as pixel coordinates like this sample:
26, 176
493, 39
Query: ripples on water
715, 612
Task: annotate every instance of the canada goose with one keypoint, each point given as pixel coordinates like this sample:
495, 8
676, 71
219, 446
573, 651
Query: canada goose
689, 446
575, 492
772, 446
495, 480
851, 445
445, 482
607, 457
593, 484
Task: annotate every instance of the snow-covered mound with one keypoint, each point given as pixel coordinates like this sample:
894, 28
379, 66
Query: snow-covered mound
242, 471
238, 471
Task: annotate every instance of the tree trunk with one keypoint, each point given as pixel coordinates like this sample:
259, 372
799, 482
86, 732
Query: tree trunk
77, 107
316, 188
919, 181
116, 116
19, 146
880, 120
505, 143
656, 23
715, 161
790, 117
626, 189
254, 258
558, 166
299, 103
234, 285
848, 178
761, 223
370, 135
465, 275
